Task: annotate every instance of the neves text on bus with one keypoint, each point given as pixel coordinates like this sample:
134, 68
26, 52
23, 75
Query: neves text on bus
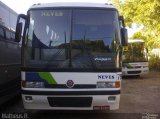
72, 56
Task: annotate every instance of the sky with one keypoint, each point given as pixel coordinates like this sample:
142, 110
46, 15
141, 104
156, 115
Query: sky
21, 6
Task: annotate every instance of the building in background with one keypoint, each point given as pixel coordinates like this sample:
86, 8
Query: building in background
8, 17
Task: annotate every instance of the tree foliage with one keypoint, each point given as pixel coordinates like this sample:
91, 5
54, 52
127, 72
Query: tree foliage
142, 12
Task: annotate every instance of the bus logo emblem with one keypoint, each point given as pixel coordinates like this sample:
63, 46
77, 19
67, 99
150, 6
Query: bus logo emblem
70, 84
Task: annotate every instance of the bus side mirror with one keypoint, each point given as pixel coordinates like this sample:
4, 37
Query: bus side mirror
147, 54
124, 36
18, 32
19, 27
124, 33
147, 50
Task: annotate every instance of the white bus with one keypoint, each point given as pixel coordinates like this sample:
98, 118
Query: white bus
72, 56
135, 58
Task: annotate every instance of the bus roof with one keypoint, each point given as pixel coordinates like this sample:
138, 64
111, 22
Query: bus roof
135, 41
72, 4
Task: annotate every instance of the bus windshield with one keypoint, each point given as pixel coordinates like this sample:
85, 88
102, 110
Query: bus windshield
135, 52
77, 39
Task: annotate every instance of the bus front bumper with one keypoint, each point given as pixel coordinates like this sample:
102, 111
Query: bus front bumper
135, 72
71, 100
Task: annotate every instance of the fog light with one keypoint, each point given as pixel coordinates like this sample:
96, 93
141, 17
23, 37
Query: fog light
111, 98
28, 98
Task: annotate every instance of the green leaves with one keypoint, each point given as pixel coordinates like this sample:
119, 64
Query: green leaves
142, 12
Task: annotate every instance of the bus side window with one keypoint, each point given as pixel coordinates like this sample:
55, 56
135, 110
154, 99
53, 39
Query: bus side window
8, 36
12, 35
1, 32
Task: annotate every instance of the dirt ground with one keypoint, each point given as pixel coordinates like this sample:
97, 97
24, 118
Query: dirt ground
140, 94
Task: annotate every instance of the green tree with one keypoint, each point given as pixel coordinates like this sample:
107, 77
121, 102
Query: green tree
145, 13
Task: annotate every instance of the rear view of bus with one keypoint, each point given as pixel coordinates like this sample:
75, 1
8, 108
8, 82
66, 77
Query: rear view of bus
72, 56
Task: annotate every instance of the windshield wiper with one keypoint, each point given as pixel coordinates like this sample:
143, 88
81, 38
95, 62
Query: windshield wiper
58, 53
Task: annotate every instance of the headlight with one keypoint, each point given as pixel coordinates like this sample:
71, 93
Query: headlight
32, 84
108, 84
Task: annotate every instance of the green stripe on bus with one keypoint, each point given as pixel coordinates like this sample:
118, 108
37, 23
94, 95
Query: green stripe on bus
48, 77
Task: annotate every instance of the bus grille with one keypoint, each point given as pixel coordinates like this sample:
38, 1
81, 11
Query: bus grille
70, 101
133, 67
134, 72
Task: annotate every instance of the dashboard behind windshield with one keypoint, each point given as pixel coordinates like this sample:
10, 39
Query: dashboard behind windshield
135, 52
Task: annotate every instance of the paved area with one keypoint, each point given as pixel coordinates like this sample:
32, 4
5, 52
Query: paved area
141, 94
